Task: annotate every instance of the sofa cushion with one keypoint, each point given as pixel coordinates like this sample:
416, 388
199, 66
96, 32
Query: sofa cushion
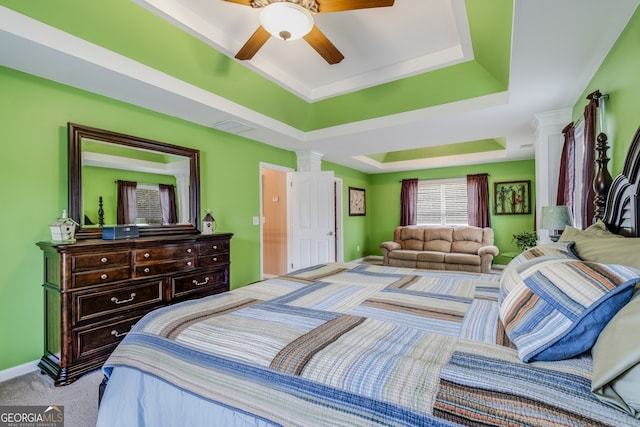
456, 258
431, 256
412, 238
404, 254
437, 239
467, 240
463, 247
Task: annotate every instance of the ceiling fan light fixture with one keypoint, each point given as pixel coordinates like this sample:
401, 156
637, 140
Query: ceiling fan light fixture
286, 21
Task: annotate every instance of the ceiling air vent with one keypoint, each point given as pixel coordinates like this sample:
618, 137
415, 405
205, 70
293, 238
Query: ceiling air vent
232, 127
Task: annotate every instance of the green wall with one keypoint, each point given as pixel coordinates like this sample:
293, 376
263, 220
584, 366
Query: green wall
618, 76
33, 126
354, 227
33, 116
385, 201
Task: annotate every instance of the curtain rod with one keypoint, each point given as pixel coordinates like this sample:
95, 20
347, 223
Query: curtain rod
435, 179
601, 98
116, 181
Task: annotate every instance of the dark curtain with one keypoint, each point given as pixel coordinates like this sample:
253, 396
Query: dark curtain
587, 210
127, 202
478, 200
409, 202
168, 204
567, 179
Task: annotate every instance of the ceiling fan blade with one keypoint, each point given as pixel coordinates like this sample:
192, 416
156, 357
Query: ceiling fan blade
341, 5
254, 44
323, 46
242, 2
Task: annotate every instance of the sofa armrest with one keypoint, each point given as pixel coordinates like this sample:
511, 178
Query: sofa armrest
489, 250
387, 247
390, 246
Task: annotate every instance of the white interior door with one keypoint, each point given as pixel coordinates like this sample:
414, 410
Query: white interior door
312, 218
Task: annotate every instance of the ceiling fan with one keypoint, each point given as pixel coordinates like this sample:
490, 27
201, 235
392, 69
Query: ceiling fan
292, 19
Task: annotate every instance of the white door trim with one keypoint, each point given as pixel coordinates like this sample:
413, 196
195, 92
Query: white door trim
339, 221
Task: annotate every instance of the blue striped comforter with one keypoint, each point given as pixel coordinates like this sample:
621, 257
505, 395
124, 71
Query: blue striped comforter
349, 345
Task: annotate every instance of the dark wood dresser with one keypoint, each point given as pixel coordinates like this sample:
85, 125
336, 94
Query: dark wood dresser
96, 290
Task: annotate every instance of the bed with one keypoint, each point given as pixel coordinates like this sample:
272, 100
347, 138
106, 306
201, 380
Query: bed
348, 344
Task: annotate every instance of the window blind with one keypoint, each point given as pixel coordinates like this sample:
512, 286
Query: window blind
148, 204
442, 202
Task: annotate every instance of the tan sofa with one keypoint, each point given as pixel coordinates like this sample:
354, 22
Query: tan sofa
462, 248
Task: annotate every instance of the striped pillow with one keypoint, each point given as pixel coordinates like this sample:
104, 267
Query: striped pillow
555, 308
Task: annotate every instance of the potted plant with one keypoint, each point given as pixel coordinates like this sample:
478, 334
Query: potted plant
525, 239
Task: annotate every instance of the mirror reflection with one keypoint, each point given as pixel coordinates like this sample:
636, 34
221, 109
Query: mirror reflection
135, 186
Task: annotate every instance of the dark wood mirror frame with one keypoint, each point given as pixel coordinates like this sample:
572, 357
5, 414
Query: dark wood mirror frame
76, 133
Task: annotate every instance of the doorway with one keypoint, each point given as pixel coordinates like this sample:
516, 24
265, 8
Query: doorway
275, 205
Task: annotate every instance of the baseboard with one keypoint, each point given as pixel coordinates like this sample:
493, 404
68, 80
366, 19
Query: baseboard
16, 371
368, 257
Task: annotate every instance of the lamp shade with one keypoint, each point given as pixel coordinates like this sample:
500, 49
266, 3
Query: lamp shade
556, 218
286, 21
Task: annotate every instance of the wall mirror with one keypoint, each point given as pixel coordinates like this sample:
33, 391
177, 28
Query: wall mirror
105, 165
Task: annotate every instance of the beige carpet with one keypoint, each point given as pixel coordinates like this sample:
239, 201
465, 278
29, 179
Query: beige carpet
80, 399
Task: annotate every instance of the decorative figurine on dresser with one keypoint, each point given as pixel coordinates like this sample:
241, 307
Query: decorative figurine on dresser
96, 289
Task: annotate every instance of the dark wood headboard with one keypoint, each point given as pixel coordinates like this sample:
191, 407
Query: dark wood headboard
622, 211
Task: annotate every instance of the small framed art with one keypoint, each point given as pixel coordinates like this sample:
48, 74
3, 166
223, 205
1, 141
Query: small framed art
357, 201
512, 198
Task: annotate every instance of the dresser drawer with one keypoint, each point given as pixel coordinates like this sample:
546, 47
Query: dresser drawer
204, 282
214, 247
101, 260
95, 290
213, 260
164, 253
96, 277
89, 305
90, 342
147, 270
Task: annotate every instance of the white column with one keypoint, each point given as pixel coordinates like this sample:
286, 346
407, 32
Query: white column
548, 151
309, 161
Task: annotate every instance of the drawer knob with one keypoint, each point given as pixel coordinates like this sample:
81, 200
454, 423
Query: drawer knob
215, 246
189, 250
118, 334
146, 270
189, 263
117, 301
215, 259
147, 255
104, 260
104, 276
195, 282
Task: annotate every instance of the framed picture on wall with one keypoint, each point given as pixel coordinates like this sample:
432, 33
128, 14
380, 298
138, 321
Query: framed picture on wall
512, 198
357, 201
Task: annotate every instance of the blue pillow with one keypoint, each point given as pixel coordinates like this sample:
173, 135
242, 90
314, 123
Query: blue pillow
555, 308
